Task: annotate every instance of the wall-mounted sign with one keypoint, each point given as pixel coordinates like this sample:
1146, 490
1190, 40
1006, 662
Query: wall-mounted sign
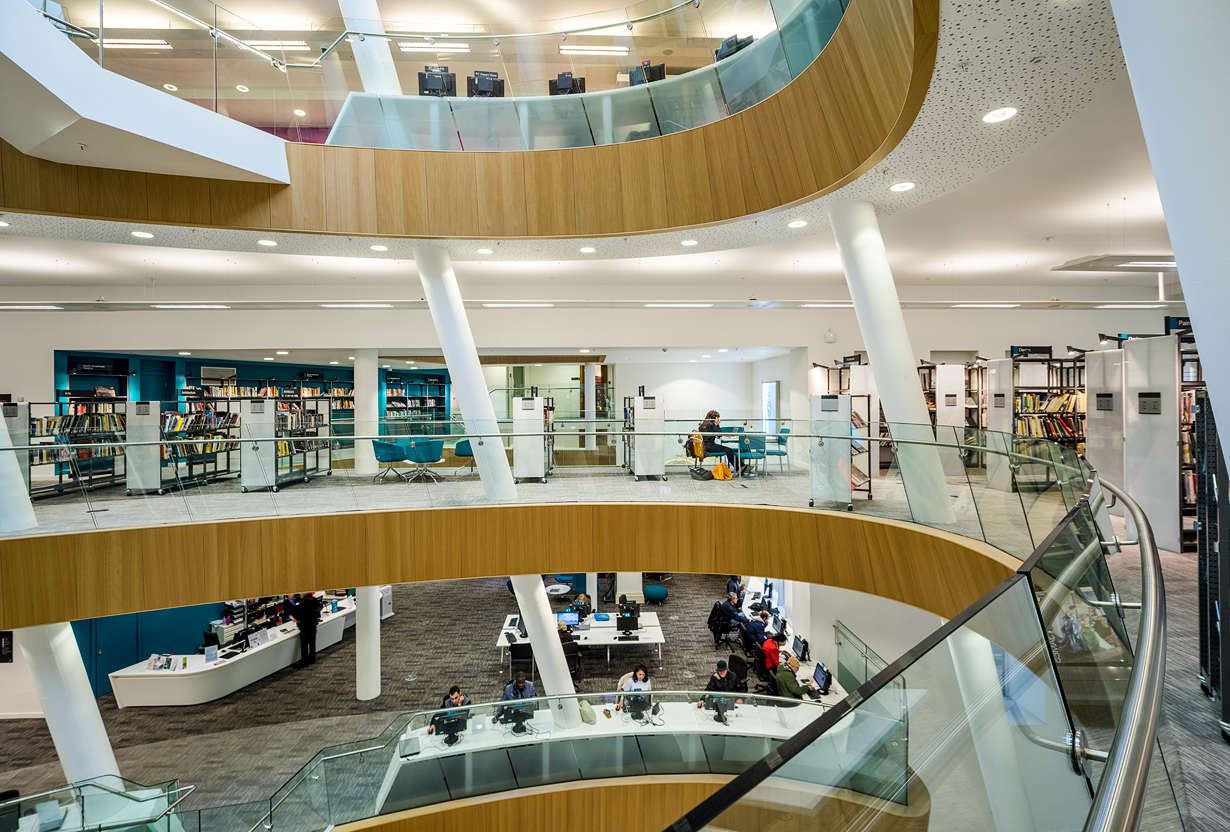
101, 368
1031, 352
1150, 403
950, 400
313, 376
6, 647
527, 404
142, 408
258, 407
828, 404
1105, 401
1176, 324
9, 410
999, 399
651, 403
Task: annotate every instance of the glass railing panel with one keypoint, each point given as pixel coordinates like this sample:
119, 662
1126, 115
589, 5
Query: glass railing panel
965, 518
249, 88
806, 26
727, 18
302, 804
361, 123
1034, 476
241, 817
988, 469
620, 116
686, 101
487, 124
419, 122
554, 122
754, 73
530, 61
975, 736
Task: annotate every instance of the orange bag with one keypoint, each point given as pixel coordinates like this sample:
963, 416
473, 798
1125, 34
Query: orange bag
721, 471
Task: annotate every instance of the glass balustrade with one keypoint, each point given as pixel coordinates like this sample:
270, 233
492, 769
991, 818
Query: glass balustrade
649, 69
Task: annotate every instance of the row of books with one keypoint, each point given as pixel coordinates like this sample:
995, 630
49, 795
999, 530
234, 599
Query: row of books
183, 450
1188, 479
85, 423
409, 414
1187, 404
418, 402
344, 404
300, 420
79, 408
1050, 426
205, 420
340, 392
1050, 402
287, 448
1187, 446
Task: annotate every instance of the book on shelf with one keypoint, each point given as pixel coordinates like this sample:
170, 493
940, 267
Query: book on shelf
857, 477
1050, 402
1049, 426
84, 423
1189, 487
201, 420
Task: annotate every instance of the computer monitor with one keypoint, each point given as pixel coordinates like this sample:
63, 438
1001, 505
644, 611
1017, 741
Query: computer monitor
572, 619
437, 81
819, 675
211, 638
518, 713
521, 627
449, 725
628, 622
719, 704
484, 85
797, 648
566, 84
637, 704
645, 73
731, 45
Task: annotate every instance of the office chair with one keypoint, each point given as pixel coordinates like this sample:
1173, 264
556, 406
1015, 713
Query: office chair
752, 448
761, 673
463, 450
521, 655
423, 452
10, 818
572, 655
388, 453
737, 665
774, 688
745, 640
777, 447
720, 626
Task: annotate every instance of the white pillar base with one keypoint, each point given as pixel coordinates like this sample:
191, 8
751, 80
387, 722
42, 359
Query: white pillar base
367, 642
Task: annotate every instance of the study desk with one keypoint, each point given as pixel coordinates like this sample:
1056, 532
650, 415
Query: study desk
201, 681
599, 634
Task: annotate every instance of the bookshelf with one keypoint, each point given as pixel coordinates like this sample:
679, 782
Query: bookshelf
1212, 558
77, 420
300, 450
201, 444
1191, 385
413, 403
841, 460
1049, 400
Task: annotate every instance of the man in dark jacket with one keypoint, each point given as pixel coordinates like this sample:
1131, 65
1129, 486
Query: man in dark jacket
756, 628
306, 613
730, 610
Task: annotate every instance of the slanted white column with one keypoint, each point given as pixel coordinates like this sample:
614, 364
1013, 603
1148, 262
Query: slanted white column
1180, 70
367, 642
69, 706
16, 511
591, 404
540, 625
372, 55
366, 409
466, 374
874, 293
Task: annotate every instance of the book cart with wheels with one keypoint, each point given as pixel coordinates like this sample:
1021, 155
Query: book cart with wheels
200, 444
284, 441
76, 420
840, 453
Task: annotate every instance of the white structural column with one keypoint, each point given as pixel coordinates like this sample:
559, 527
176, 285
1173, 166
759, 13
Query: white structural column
540, 626
372, 55
1179, 65
878, 310
591, 404
448, 313
69, 706
16, 511
366, 409
367, 642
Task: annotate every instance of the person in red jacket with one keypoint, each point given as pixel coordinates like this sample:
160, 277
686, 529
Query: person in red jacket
772, 652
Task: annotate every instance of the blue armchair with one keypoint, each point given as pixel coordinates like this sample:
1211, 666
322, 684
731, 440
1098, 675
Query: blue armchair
388, 453
463, 450
776, 446
753, 448
423, 452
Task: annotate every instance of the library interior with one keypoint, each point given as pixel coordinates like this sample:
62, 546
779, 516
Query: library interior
773, 415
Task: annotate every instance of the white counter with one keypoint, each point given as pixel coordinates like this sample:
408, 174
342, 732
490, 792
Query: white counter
201, 681
598, 634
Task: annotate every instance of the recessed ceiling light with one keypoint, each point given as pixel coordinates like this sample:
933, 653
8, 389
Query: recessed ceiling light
827, 306
388, 366
350, 358
3, 224
984, 306
706, 356
693, 361
144, 235
796, 224
484, 251
185, 353
133, 43
1002, 114
423, 46
1132, 306
413, 367
723, 350
27, 308
284, 45
619, 51
269, 359
283, 352
537, 365
380, 248
356, 306
678, 305
300, 113
517, 305
241, 88
902, 186
1148, 264
587, 250
688, 243
170, 88
267, 242
188, 306
583, 350
332, 362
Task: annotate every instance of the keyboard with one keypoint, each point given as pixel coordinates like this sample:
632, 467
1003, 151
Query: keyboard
627, 638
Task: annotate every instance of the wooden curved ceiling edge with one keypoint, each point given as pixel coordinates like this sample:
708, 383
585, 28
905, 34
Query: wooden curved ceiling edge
838, 119
69, 576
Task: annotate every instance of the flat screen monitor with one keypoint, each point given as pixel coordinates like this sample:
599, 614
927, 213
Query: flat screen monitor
518, 713
628, 622
572, 619
777, 623
521, 627
211, 638
484, 85
449, 725
819, 675
645, 73
797, 648
566, 84
636, 704
437, 81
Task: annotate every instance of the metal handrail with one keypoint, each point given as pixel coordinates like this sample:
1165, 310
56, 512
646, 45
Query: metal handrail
1119, 802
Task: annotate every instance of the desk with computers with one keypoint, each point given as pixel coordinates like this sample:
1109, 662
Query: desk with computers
628, 627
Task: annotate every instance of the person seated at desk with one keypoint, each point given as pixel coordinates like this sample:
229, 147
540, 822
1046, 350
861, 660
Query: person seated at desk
736, 586
730, 610
756, 627
639, 681
710, 431
455, 699
788, 682
773, 651
581, 606
518, 688
722, 681
564, 635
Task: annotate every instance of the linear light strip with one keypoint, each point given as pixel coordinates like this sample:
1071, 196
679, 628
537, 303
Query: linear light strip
593, 50
434, 47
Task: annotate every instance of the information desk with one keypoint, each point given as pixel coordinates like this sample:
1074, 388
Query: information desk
490, 758
599, 634
202, 681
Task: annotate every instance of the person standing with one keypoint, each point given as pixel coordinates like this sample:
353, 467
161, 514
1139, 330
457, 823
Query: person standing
306, 613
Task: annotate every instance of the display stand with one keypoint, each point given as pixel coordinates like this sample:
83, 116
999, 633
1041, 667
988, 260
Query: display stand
838, 458
15, 418
644, 437
144, 467
1151, 433
297, 454
1104, 420
999, 419
531, 451
76, 421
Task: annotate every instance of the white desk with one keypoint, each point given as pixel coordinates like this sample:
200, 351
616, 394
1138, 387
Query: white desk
138, 686
599, 634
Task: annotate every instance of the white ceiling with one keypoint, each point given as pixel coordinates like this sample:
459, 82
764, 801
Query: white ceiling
343, 357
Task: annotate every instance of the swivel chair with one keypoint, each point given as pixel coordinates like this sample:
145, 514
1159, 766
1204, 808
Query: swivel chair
423, 452
776, 446
463, 450
388, 453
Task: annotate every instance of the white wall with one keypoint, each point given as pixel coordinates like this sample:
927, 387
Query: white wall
690, 390
19, 701
889, 628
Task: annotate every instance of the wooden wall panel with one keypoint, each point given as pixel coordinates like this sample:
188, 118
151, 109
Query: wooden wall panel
500, 183
781, 174
350, 181
597, 189
643, 182
173, 566
38, 576
288, 556
688, 199
37, 185
181, 199
727, 156
452, 195
112, 193
548, 193
239, 204
401, 193
232, 559
390, 546
302, 204
341, 551
109, 572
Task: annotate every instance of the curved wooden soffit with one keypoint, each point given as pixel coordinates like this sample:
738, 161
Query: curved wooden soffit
834, 122
64, 577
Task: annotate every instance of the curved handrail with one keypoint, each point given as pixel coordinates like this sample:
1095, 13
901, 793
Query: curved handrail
1119, 802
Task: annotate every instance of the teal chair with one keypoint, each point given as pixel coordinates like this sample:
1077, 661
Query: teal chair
752, 448
388, 453
423, 452
776, 446
464, 451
